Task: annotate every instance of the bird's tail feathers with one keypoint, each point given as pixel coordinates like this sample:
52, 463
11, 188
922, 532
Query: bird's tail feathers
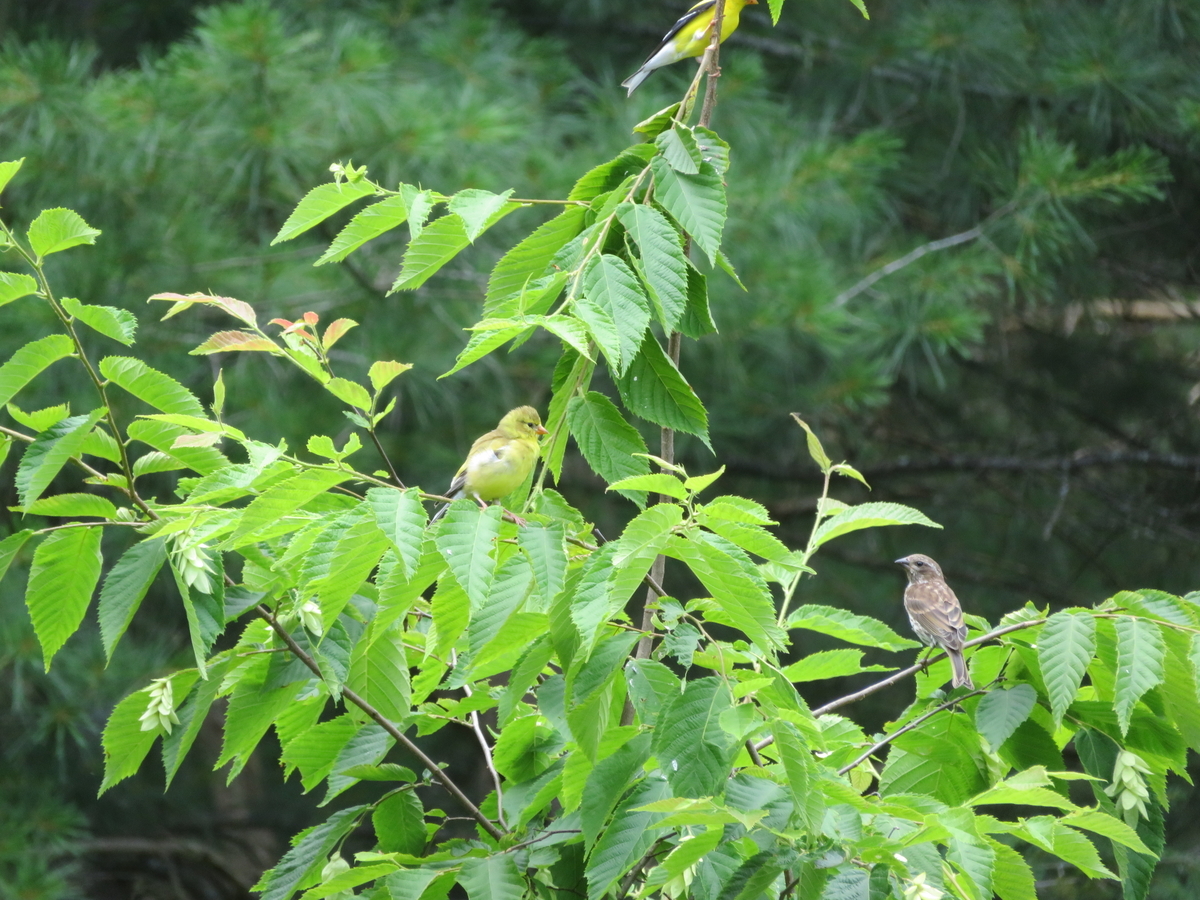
961, 677
635, 79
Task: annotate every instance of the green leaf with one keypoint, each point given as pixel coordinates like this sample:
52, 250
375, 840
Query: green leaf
646, 535
1065, 843
607, 176
15, 285
437, 244
50, 451
627, 838
829, 664
607, 783
528, 261
656, 124
696, 202
1101, 823
658, 482
59, 229
162, 437
941, 759
697, 319
358, 552
654, 390
367, 748
509, 589
263, 516
8, 170
319, 204
465, 539
350, 392
1140, 652
664, 267
484, 341
608, 443
125, 587
367, 224
149, 463
315, 750
118, 324
342, 883
614, 309
848, 626
41, 419
492, 878
1012, 878
66, 567
125, 744
400, 824
73, 505
735, 586
401, 517
1001, 711
678, 147
1065, 647
379, 673
869, 515
10, 547
302, 864
526, 748
29, 361
205, 612
193, 713
477, 207
151, 386
384, 371
545, 548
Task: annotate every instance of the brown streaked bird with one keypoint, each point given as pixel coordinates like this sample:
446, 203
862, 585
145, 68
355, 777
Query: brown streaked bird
934, 612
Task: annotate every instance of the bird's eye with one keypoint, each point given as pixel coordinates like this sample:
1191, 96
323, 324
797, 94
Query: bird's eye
920, 563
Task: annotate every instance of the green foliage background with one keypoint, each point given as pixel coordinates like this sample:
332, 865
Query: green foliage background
983, 384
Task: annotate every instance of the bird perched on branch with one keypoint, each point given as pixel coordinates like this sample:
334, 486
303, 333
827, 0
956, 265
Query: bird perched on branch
934, 612
499, 461
690, 36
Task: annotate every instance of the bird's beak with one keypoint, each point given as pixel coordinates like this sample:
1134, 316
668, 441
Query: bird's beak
902, 561
540, 430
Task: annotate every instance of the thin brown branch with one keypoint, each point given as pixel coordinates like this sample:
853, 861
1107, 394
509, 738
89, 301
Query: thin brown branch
907, 259
438, 772
909, 727
905, 673
386, 460
712, 59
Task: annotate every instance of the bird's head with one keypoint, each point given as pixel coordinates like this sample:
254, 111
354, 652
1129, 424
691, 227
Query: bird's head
920, 568
522, 422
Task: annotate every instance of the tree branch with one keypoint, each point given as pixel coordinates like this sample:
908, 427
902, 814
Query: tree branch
905, 673
909, 727
437, 771
907, 259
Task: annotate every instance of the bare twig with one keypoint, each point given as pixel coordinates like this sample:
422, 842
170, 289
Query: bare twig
907, 259
905, 673
487, 750
909, 727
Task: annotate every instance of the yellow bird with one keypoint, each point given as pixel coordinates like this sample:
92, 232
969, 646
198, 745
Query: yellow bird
690, 36
499, 461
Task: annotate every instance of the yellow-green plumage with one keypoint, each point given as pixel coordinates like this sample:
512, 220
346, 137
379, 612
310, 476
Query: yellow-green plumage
501, 460
690, 36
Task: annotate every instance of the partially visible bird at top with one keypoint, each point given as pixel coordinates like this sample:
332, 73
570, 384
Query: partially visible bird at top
934, 612
499, 461
690, 36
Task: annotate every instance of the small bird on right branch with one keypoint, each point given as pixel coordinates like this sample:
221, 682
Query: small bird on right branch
934, 612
